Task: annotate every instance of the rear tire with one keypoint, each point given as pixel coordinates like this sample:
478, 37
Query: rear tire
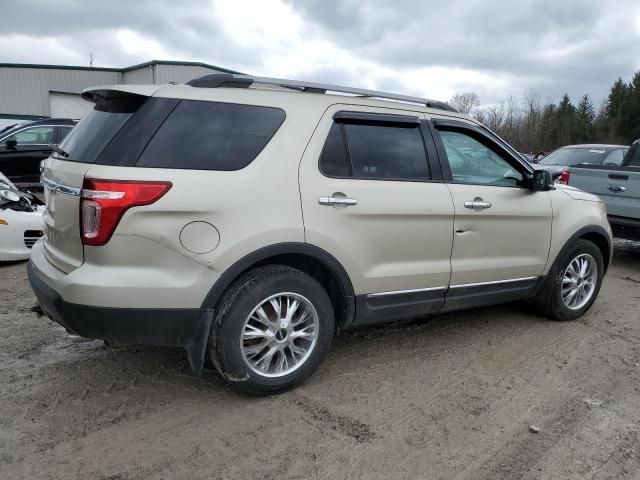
272, 330
573, 283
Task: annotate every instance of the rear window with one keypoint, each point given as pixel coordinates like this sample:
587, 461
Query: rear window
211, 136
89, 137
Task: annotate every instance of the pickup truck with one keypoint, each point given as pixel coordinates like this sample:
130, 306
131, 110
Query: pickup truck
618, 187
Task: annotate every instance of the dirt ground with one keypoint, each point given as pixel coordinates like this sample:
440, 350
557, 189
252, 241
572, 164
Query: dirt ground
450, 397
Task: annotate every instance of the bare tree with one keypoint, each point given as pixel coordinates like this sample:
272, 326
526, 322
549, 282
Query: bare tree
495, 116
464, 102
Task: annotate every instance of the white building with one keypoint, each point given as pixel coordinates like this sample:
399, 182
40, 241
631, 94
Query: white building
30, 92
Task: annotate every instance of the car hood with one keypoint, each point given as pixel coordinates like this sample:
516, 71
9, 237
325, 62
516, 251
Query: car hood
577, 194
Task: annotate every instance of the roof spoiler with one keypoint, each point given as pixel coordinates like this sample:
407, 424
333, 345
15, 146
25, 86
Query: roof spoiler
103, 92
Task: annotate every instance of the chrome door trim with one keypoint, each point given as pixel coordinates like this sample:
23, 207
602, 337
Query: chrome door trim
400, 292
59, 187
497, 282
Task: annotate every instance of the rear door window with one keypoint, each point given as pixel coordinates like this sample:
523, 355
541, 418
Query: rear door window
383, 151
211, 136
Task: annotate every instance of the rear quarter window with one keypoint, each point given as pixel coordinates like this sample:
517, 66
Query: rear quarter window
211, 136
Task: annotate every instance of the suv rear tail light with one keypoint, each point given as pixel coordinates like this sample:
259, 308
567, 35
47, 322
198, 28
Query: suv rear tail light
104, 202
564, 178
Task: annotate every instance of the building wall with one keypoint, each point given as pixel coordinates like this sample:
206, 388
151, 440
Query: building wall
25, 91
139, 75
179, 73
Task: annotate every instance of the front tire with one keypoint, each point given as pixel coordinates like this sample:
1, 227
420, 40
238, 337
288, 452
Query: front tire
272, 330
573, 283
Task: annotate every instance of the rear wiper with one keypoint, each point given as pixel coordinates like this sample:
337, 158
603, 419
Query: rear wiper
58, 150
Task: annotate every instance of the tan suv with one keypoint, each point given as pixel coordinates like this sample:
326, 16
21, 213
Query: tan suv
254, 218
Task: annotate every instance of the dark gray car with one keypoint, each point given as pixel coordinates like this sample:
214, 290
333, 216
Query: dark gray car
24, 146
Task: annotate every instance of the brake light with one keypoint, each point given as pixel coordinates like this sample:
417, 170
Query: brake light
104, 202
564, 178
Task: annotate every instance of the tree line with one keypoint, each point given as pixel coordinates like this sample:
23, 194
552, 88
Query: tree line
531, 125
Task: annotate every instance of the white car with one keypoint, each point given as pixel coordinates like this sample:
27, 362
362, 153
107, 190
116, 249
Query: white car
21, 223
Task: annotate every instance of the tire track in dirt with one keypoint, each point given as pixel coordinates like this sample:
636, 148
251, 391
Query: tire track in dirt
327, 418
522, 453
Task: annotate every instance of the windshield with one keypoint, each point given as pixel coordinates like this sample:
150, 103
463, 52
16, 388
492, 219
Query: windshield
575, 156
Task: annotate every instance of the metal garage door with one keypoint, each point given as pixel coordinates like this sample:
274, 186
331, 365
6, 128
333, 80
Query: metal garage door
68, 105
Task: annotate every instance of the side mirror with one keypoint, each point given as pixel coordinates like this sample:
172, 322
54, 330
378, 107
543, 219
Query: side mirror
11, 143
542, 181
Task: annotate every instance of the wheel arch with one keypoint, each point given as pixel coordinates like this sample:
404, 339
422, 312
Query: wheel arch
595, 234
310, 259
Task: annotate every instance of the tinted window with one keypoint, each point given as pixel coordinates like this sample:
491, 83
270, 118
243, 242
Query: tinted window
632, 159
89, 137
63, 132
375, 151
473, 162
334, 161
211, 136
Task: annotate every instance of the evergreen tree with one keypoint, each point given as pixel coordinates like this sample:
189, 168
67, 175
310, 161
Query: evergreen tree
617, 110
585, 117
548, 129
566, 121
632, 126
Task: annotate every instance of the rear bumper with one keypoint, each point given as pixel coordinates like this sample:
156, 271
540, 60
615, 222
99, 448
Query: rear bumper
183, 327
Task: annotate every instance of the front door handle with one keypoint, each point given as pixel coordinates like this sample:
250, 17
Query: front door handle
477, 204
337, 201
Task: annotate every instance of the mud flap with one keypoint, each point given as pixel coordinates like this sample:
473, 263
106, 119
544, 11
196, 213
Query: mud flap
197, 346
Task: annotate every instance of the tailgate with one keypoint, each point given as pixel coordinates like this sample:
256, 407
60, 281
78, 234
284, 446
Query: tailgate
623, 193
618, 187
62, 183
63, 173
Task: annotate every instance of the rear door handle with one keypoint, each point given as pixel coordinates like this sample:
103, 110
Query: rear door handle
618, 176
337, 201
477, 204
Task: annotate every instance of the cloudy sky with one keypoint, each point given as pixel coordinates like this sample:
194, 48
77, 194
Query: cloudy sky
495, 48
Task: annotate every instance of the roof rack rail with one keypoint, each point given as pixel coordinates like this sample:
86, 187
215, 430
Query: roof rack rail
228, 80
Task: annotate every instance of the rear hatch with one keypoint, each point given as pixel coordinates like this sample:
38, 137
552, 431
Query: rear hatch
63, 173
